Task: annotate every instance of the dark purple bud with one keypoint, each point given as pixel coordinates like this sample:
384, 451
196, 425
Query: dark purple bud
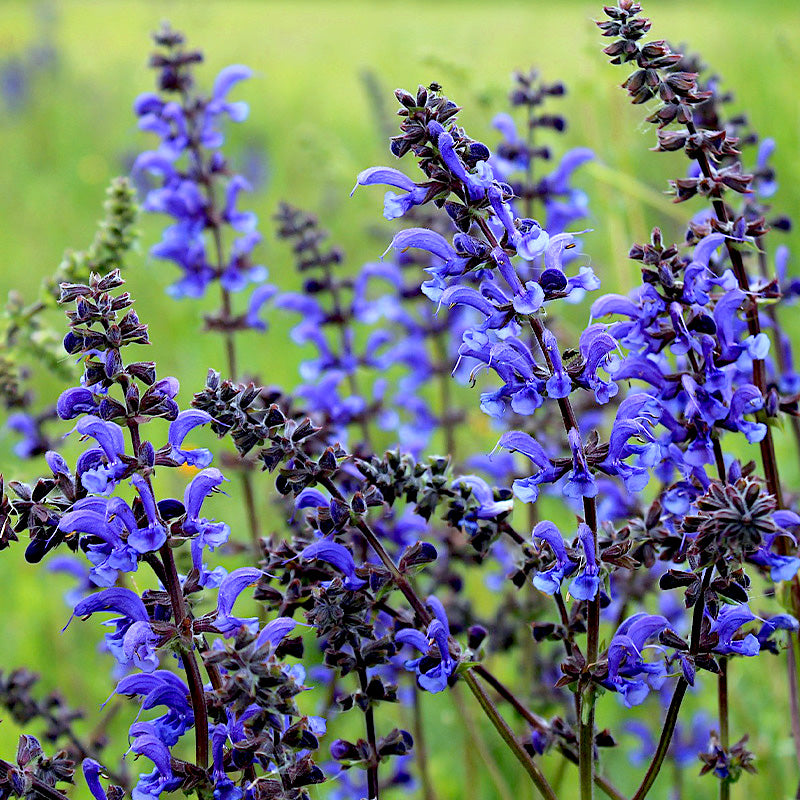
358, 505
340, 512
342, 750
475, 636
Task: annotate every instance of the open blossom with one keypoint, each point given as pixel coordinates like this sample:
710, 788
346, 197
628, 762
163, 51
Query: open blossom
132, 643
434, 668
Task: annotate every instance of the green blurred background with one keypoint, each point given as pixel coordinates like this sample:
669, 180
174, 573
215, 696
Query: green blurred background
312, 128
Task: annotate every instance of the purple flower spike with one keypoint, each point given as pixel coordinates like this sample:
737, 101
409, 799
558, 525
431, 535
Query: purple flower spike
549, 581
337, 556
179, 429
231, 587
132, 643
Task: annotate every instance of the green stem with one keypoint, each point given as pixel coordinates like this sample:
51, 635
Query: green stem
677, 696
501, 726
421, 749
724, 725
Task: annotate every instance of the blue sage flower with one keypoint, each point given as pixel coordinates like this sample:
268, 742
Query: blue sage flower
434, 668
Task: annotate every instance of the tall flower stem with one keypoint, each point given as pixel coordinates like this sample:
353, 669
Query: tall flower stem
369, 721
586, 710
588, 699
195, 681
539, 723
421, 749
227, 321
677, 696
767, 444
183, 623
230, 351
501, 726
724, 727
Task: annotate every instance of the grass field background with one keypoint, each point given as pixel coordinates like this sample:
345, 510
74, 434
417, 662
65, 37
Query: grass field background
313, 123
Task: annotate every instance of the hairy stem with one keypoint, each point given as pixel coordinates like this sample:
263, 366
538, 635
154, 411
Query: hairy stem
421, 749
479, 745
501, 726
369, 721
677, 697
228, 330
168, 574
724, 727
767, 445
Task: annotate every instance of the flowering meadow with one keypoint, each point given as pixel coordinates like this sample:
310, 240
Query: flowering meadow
369, 442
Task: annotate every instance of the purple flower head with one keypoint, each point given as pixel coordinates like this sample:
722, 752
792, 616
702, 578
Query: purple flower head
74, 402
226, 79
258, 299
151, 785
532, 240
580, 482
727, 625
153, 535
586, 583
160, 689
394, 205
104, 468
339, 557
105, 549
559, 384
435, 244
274, 632
132, 642
179, 429
224, 787
206, 533
229, 590
596, 347
435, 667
779, 622
527, 489
91, 774
550, 580
628, 672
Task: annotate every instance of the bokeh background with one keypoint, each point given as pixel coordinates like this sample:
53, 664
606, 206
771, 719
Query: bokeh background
69, 72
